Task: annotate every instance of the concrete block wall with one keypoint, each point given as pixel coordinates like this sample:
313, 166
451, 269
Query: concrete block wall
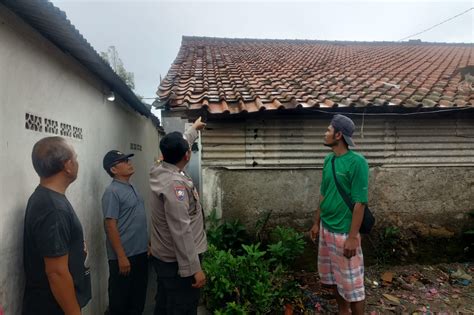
427, 200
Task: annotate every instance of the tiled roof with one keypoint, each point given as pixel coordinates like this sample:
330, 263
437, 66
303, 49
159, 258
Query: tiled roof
249, 75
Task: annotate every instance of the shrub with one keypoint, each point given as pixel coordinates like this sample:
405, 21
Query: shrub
243, 279
286, 245
249, 279
226, 235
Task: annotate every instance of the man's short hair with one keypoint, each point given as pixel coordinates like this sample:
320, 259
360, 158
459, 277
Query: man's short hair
110, 172
49, 155
173, 147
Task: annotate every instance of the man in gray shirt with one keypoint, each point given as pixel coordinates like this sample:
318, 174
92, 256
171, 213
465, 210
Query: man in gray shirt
178, 237
127, 237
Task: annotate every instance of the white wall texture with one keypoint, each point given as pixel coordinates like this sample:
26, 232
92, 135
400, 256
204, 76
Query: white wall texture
36, 77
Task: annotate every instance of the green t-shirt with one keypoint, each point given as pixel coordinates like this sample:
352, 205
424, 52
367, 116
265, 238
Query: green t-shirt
352, 173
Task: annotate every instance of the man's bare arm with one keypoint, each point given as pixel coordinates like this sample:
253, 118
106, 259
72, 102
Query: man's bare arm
352, 242
357, 216
62, 286
317, 220
114, 238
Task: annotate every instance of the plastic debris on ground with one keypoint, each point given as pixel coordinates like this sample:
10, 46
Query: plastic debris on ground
412, 289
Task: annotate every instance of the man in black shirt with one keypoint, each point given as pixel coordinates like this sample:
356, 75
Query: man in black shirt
54, 252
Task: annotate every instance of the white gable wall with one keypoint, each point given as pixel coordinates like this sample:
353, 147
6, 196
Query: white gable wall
37, 78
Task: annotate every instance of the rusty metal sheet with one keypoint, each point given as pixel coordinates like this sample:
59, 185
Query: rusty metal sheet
298, 143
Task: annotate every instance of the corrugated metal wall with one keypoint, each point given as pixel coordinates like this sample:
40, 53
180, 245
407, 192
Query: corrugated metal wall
298, 142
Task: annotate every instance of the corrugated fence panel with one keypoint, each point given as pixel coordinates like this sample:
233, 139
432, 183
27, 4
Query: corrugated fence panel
298, 143
223, 145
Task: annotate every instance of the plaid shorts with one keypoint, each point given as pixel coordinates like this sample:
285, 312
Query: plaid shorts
335, 269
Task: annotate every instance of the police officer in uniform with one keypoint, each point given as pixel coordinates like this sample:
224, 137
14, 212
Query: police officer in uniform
178, 236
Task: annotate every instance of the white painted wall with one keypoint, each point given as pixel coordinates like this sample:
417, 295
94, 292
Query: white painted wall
36, 77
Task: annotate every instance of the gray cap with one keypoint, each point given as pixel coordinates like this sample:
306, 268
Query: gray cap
346, 126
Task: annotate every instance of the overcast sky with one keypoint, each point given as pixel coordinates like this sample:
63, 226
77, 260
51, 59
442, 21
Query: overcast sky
147, 34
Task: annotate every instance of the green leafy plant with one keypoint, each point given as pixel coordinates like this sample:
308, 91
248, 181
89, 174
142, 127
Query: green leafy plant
243, 279
216, 265
232, 308
226, 235
286, 289
250, 279
229, 235
287, 244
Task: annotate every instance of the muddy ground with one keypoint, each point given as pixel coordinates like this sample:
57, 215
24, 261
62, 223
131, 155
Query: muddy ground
410, 289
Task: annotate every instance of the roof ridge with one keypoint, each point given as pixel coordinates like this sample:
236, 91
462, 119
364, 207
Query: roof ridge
186, 38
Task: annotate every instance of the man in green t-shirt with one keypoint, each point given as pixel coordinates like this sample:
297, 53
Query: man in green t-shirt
340, 259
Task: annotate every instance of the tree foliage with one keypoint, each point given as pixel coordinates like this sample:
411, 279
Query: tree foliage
111, 56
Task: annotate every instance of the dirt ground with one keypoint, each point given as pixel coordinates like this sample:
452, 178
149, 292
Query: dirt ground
411, 289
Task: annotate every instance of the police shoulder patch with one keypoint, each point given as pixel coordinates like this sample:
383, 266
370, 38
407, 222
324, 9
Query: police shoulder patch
180, 192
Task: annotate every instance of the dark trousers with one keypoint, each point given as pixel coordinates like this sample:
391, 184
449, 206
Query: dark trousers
175, 295
127, 294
